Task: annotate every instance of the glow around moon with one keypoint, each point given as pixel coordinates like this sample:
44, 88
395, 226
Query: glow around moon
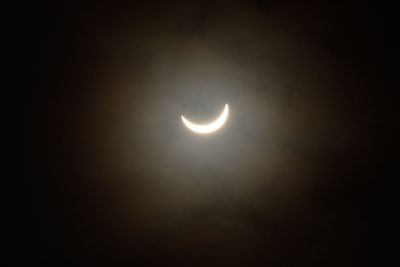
210, 127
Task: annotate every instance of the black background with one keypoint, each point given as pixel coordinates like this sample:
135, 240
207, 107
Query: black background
110, 177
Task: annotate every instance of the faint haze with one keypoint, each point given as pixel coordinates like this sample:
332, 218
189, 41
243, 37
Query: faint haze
276, 185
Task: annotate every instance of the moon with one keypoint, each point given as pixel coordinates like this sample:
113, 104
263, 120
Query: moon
210, 127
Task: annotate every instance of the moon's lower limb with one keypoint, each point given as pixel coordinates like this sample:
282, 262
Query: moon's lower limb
210, 127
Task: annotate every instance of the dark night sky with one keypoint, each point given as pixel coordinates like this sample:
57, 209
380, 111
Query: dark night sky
111, 176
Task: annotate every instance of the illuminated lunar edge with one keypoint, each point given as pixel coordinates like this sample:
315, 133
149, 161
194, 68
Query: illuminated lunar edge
210, 127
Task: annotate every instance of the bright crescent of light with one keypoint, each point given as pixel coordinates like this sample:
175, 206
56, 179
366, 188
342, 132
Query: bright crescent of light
210, 127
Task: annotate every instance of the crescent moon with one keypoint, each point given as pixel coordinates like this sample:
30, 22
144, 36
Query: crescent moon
210, 127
